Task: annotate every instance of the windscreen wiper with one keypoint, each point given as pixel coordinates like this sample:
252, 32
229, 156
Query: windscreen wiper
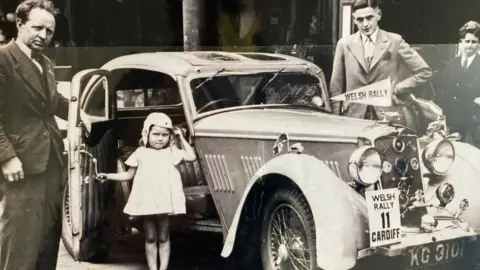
256, 89
210, 78
273, 78
304, 106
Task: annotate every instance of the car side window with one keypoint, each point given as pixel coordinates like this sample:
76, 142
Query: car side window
95, 105
139, 88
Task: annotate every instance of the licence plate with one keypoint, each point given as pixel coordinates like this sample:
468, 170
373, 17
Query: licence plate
435, 253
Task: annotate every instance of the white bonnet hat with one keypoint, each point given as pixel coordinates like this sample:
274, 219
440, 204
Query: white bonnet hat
157, 119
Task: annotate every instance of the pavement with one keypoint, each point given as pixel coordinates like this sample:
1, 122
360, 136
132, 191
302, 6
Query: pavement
195, 252
200, 252
118, 261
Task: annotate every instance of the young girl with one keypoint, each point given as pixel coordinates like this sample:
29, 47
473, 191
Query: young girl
157, 189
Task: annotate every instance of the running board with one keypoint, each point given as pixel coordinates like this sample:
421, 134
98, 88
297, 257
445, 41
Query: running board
206, 225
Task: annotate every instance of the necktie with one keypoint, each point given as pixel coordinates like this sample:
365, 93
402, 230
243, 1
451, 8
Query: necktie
368, 50
36, 56
39, 59
464, 63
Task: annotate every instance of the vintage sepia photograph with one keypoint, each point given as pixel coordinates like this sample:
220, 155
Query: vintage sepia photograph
239, 134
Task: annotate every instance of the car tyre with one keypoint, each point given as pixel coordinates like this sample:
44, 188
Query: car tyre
288, 232
99, 253
246, 253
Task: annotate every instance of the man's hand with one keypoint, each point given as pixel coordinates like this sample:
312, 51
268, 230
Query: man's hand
400, 91
399, 94
345, 105
396, 100
12, 169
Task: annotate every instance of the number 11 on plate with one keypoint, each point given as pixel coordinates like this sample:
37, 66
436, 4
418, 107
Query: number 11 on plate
384, 216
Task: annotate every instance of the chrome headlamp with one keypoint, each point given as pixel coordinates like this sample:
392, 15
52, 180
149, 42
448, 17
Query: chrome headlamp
365, 165
438, 156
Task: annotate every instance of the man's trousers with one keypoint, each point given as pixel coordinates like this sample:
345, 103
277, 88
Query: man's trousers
31, 219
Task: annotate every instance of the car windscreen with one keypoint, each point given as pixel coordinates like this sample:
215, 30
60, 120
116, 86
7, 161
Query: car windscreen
232, 90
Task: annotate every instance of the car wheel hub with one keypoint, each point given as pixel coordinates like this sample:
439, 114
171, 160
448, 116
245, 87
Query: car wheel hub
282, 254
287, 238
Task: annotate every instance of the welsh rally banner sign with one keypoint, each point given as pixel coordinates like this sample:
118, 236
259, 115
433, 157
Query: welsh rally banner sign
378, 94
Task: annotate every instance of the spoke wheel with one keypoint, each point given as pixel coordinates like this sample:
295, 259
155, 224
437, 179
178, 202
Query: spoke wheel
288, 233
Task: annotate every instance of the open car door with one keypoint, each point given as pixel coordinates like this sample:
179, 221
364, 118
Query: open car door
91, 148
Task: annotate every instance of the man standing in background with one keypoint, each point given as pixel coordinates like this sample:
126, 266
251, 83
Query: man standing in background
31, 147
459, 86
371, 55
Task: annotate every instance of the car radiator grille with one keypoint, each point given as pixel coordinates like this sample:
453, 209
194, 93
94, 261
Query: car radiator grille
402, 170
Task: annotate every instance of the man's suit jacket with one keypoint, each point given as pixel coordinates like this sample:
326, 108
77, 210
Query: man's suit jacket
392, 57
28, 104
456, 90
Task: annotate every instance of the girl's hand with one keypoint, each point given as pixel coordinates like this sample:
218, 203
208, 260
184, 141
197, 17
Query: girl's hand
102, 177
178, 132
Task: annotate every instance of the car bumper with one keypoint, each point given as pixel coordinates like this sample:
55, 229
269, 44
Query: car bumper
419, 249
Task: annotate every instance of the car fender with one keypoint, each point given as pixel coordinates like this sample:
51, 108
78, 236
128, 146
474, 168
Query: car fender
330, 201
464, 175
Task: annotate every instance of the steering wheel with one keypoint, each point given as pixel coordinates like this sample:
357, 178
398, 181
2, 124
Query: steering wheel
213, 102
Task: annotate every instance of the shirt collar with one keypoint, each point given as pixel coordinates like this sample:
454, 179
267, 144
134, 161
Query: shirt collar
24, 48
469, 59
373, 36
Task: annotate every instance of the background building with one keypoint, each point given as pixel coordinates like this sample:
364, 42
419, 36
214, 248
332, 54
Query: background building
91, 32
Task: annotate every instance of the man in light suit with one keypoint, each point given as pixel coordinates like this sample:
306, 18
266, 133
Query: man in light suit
371, 55
31, 147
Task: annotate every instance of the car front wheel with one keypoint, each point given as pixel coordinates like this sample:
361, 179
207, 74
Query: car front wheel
288, 232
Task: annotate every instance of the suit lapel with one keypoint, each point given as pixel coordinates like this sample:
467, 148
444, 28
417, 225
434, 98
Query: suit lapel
381, 45
474, 65
48, 71
356, 47
458, 62
26, 68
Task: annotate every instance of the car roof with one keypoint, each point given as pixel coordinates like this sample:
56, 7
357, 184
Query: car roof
183, 63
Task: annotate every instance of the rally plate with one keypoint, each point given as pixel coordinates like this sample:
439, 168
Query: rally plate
431, 254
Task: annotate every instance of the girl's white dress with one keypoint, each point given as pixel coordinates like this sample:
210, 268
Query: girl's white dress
157, 186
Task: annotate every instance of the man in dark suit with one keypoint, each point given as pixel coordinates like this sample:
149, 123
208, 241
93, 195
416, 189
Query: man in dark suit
31, 146
371, 55
459, 86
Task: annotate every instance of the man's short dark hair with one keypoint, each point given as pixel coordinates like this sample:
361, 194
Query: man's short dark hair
24, 8
359, 4
471, 27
